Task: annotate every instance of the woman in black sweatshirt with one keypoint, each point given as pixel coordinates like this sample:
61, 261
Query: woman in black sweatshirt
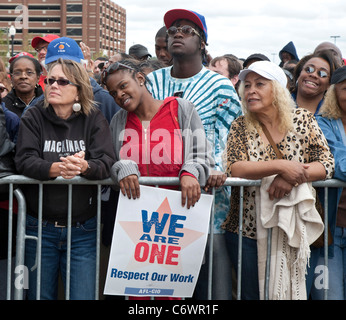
64, 135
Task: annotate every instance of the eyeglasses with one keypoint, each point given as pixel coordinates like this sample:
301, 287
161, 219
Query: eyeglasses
18, 73
41, 48
111, 69
185, 30
60, 82
320, 73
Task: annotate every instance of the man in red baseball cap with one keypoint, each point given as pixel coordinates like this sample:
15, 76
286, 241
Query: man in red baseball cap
40, 44
217, 104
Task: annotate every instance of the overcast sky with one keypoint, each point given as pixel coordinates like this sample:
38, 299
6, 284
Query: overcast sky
243, 27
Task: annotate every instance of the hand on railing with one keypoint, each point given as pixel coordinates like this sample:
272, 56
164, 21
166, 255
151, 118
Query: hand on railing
129, 186
190, 191
295, 172
279, 188
72, 166
216, 179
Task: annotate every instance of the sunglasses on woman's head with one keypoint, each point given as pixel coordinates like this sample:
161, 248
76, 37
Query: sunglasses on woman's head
320, 73
111, 69
60, 82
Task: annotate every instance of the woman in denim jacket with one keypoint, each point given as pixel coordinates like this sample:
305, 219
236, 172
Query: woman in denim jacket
332, 121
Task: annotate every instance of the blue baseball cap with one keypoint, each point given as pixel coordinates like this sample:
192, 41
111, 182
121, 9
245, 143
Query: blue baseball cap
178, 14
65, 48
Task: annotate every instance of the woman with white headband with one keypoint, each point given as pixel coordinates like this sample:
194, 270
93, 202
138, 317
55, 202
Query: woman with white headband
283, 146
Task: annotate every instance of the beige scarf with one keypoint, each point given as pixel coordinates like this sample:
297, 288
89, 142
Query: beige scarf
296, 224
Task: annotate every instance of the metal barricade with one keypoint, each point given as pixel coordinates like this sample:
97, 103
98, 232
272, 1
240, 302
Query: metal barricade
155, 181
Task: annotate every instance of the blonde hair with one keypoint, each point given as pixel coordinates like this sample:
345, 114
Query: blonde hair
330, 107
77, 74
282, 102
2, 65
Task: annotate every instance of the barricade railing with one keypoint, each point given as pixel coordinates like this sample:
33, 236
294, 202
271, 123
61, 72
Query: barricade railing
21, 279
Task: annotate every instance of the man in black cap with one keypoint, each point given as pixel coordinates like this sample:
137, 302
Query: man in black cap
139, 52
253, 58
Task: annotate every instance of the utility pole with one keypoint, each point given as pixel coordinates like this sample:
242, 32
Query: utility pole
335, 38
12, 33
273, 54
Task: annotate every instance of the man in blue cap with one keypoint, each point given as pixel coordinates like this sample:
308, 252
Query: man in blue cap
67, 48
218, 105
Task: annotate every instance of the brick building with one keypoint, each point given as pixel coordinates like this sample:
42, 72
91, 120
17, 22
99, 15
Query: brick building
101, 24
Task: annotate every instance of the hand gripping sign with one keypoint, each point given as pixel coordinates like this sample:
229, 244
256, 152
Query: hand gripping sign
158, 245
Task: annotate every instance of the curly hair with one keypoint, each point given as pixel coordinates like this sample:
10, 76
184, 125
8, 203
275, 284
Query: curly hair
330, 107
282, 102
325, 55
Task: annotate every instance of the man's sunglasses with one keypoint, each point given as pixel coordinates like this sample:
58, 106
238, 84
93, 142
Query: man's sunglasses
185, 30
44, 48
111, 69
320, 73
60, 82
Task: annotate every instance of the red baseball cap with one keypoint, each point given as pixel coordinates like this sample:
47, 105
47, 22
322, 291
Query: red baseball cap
48, 38
177, 14
20, 55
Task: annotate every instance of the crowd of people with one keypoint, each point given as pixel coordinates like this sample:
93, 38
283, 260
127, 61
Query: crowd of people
66, 113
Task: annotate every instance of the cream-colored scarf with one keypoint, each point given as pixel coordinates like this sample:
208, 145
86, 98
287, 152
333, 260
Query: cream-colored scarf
296, 224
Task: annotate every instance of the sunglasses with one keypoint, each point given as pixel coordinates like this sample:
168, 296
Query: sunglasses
111, 69
44, 48
320, 73
185, 30
60, 82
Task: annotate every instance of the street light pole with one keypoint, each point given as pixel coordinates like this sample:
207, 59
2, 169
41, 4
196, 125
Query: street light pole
12, 33
335, 38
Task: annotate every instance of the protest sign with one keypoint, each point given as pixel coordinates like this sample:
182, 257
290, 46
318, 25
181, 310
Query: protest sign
158, 245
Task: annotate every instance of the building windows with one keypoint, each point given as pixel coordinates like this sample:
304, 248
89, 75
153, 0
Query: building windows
46, 7
44, 19
74, 20
74, 31
74, 8
82, 19
44, 31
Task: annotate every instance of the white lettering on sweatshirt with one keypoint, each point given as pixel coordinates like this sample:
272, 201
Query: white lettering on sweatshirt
70, 146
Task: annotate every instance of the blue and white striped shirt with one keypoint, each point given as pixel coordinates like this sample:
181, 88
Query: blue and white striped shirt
215, 98
217, 104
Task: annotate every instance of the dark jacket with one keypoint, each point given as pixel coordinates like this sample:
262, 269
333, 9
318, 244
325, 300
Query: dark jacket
16, 105
291, 49
104, 100
12, 123
43, 138
7, 146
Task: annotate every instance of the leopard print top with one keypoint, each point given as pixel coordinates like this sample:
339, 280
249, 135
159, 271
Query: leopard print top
304, 143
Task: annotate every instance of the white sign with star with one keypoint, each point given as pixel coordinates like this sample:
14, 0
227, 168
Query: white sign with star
158, 245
